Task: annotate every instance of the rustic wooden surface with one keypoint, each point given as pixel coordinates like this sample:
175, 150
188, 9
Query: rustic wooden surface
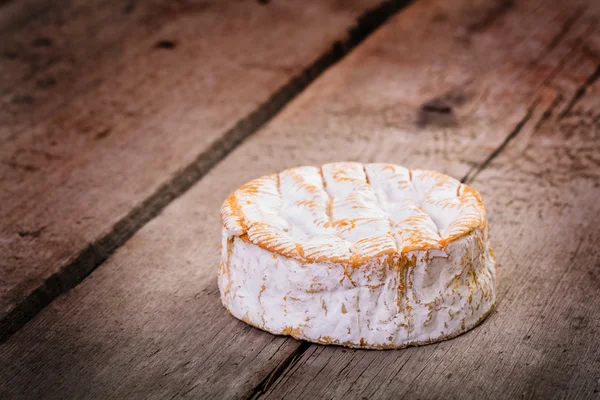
112, 109
543, 339
504, 95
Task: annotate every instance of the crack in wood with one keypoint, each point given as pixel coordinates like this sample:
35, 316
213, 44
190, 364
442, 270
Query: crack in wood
581, 92
474, 171
548, 112
95, 253
274, 375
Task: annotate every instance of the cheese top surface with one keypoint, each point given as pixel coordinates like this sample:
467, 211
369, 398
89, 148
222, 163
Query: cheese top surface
349, 212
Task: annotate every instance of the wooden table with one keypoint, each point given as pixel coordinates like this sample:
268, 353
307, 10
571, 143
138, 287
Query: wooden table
124, 124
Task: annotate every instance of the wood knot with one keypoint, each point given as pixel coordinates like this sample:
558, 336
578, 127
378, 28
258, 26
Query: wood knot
165, 44
436, 112
437, 106
439, 111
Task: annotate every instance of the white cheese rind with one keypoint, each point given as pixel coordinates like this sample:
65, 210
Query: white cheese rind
413, 266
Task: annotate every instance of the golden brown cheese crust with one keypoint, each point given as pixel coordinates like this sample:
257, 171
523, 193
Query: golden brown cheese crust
343, 197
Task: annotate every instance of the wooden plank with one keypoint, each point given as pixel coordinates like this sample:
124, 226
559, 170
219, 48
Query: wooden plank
163, 91
541, 190
542, 341
159, 290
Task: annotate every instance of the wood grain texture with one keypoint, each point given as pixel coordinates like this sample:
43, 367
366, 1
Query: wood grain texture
148, 322
541, 191
542, 341
115, 108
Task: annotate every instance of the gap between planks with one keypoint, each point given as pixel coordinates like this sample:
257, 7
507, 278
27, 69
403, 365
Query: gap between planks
274, 375
95, 253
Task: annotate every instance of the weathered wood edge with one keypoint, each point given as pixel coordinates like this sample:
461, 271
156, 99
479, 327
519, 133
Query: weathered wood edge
98, 251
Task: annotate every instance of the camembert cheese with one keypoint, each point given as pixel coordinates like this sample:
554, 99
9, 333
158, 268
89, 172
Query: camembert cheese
362, 255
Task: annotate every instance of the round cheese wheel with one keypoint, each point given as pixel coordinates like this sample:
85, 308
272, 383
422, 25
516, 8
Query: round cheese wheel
361, 255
